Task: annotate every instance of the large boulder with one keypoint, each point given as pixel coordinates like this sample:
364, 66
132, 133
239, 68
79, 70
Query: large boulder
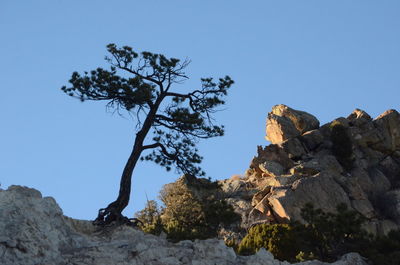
382, 134
284, 123
321, 190
359, 117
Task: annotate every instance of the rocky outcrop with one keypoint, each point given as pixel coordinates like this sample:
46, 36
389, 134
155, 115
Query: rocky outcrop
305, 163
284, 123
33, 230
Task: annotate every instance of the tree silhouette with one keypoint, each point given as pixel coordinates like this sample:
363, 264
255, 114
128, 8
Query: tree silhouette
142, 85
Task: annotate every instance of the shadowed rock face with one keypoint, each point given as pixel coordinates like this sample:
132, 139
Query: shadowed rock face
33, 230
301, 166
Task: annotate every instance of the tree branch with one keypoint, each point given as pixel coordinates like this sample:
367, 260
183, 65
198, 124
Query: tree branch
163, 150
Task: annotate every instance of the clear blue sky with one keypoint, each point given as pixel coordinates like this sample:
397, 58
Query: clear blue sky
325, 57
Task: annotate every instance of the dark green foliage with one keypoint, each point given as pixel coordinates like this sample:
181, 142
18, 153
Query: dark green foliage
325, 237
183, 215
384, 250
232, 244
219, 212
280, 239
331, 235
191, 211
342, 145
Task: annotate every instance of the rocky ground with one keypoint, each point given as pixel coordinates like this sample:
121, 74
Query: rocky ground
34, 231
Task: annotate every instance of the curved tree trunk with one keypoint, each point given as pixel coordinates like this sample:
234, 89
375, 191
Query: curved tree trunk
113, 212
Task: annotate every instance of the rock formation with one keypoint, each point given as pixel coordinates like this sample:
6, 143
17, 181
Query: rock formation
284, 123
33, 231
353, 160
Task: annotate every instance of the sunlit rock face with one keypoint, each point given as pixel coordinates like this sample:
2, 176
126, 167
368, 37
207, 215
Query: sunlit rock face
33, 230
302, 165
284, 123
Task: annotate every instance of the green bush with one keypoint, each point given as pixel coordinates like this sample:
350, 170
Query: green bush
342, 145
192, 210
280, 239
150, 217
328, 236
383, 250
183, 216
325, 236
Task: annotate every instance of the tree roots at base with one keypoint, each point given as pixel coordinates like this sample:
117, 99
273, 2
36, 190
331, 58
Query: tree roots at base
110, 216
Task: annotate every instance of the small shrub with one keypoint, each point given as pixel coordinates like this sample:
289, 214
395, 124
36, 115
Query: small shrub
325, 236
342, 145
150, 216
232, 244
328, 235
182, 216
280, 239
383, 250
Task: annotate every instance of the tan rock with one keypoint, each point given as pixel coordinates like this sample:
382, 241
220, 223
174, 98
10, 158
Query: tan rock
284, 123
386, 136
260, 195
302, 120
359, 117
320, 190
273, 153
322, 162
280, 129
271, 168
270, 181
263, 206
293, 147
279, 207
280, 181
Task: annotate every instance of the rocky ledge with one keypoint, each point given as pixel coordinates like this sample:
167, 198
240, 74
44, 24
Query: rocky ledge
34, 231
